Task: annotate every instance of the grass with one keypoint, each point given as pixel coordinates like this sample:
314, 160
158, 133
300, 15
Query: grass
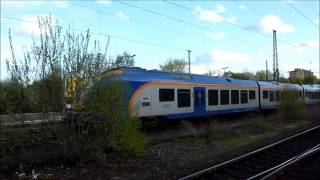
229, 135
238, 141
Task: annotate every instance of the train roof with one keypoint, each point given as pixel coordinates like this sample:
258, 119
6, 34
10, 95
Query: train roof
311, 87
277, 85
143, 75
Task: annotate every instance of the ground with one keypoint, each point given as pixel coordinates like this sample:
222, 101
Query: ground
179, 149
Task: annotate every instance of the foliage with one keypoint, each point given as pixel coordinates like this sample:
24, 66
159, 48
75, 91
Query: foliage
125, 60
13, 97
237, 75
174, 65
310, 79
291, 107
261, 75
283, 80
120, 131
256, 124
56, 62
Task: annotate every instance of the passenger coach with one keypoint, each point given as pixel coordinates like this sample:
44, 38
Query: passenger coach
157, 94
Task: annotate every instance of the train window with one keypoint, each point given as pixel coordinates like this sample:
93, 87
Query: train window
166, 95
224, 97
271, 96
184, 99
312, 95
307, 94
244, 96
265, 94
277, 95
234, 96
213, 97
252, 94
300, 93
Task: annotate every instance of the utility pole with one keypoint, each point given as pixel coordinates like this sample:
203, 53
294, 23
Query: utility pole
189, 51
275, 57
266, 70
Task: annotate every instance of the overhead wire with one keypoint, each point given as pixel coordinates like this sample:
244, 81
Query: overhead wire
298, 33
106, 35
131, 19
144, 23
187, 23
310, 5
243, 27
301, 13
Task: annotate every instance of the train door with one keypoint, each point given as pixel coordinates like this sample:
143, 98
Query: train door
199, 99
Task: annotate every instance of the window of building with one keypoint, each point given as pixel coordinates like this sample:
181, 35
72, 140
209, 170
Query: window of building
265, 94
234, 96
213, 97
244, 96
224, 97
271, 96
166, 95
252, 94
277, 95
184, 98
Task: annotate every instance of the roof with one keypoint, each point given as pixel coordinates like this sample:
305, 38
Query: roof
278, 85
311, 87
143, 75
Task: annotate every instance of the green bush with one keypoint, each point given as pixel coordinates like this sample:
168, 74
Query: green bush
120, 132
290, 108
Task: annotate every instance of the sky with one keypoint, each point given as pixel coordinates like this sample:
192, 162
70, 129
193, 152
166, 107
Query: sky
233, 34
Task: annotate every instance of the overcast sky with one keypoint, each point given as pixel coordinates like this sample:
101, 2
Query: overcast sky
233, 34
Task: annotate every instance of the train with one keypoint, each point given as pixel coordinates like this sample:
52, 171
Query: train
172, 96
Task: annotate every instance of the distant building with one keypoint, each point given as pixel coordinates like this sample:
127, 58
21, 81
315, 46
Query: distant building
300, 73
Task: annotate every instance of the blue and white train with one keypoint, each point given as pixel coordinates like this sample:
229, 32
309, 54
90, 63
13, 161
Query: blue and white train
167, 95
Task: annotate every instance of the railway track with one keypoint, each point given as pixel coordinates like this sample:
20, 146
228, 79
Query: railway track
295, 156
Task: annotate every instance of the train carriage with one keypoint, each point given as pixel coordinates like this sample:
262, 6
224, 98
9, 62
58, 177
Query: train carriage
311, 94
179, 95
157, 94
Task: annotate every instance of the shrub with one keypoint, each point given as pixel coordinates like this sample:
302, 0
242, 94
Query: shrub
290, 107
42, 75
120, 132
